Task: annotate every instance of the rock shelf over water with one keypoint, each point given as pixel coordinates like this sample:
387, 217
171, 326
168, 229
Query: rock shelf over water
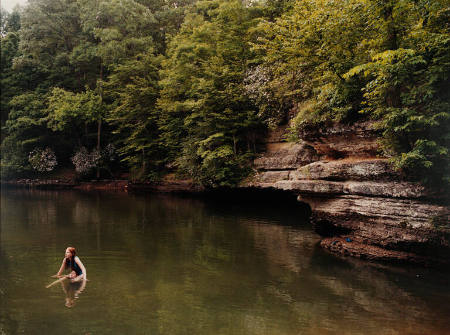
355, 194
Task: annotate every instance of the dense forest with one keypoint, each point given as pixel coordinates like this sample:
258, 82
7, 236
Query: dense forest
192, 86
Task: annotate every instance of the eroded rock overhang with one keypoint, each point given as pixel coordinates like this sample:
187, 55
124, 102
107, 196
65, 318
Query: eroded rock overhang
360, 205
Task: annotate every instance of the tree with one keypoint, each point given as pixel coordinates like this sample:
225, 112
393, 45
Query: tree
70, 112
122, 31
26, 130
134, 88
207, 121
9, 39
121, 28
406, 91
50, 30
340, 61
169, 16
304, 55
49, 33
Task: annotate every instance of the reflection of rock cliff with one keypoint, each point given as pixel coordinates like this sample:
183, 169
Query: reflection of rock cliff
290, 248
355, 194
364, 295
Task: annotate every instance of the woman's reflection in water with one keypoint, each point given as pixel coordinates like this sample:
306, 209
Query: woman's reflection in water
72, 291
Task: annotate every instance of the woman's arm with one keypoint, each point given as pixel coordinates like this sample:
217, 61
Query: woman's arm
83, 269
61, 269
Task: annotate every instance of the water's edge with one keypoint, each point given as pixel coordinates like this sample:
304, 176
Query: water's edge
340, 242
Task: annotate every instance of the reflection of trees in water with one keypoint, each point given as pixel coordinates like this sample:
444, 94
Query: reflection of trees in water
38, 211
283, 246
176, 265
43, 213
7, 323
210, 264
184, 271
85, 211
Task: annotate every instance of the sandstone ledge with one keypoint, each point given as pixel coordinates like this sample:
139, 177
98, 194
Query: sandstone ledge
346, 169
280, 180
286, 156
341, 140
336, 171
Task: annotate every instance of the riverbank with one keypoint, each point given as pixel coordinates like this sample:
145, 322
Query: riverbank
180, 186
354, 200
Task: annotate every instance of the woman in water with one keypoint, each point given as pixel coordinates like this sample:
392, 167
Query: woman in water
78, 271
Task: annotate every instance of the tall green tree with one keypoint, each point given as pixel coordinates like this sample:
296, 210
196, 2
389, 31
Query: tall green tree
22, 104
134, 89
169, 16
10, 81
49, 32
26, 130
208, 123
122, 29
73, 112
406, 89
304, 55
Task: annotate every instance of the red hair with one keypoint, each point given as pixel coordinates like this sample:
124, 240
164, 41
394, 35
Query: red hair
72, 251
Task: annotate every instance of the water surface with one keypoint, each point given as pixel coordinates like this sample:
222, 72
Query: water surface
171, 265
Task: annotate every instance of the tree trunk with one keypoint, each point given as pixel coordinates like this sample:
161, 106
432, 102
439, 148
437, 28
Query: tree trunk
392, 34
99, 129
143, 163
99, 122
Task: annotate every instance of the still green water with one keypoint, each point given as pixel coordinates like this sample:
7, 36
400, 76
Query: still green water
169, 265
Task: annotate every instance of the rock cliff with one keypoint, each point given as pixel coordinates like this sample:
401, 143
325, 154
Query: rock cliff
360, 205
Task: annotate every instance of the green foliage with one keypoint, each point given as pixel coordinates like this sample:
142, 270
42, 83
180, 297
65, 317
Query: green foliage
10, 22
381, 60
10, 82
169, 16
306, 52
134, 88
406, 91
41, 58
208, 124
121, 28
73, 109
189, 84
50, 29
25, 131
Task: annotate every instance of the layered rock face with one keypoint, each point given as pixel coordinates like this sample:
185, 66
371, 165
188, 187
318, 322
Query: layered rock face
360, 205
